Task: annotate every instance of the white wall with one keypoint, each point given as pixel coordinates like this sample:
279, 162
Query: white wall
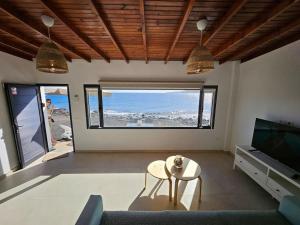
268, 88
12, 69
133, 139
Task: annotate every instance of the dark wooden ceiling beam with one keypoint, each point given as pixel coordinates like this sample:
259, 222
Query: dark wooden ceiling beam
22, 38
12, 45
8, 9
82, 37
253, 26
232, 11
15, 51
97, 12
278, 44
264, 39
143, 27
187, 12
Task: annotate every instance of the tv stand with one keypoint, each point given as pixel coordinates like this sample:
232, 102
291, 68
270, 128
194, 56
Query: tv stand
276, 178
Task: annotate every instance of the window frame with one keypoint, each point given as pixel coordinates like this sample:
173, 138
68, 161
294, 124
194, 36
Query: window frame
200, 110
85, 86
213, 115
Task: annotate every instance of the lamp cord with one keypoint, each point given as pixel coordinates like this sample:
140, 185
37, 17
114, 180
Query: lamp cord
49, 33
201, 38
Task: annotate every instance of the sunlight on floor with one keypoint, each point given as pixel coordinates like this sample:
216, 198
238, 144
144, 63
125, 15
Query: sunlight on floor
59, 194
55, 192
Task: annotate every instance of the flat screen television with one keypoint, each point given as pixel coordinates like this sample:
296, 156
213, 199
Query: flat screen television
281, 142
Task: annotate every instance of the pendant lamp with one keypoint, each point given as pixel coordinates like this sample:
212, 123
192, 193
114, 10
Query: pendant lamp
200, 60
49, 58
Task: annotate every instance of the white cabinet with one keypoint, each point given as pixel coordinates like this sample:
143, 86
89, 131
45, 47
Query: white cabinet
273, 176
277, 188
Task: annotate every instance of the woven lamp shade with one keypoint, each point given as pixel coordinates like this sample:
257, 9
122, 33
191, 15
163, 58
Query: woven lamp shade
200, 61
50, 59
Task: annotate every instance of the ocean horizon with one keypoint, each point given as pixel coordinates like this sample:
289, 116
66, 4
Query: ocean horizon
173, 102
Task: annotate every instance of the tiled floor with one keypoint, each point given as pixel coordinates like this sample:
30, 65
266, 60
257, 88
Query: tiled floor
56, 191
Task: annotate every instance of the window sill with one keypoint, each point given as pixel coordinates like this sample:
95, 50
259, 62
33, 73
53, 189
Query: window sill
152, 128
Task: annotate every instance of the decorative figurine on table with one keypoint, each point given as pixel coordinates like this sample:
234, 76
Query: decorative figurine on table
178, 161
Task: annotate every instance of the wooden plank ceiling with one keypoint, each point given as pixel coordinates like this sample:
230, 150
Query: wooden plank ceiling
149, 29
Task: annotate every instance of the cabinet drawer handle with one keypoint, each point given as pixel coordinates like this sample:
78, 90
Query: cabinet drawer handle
277, 190
255, 173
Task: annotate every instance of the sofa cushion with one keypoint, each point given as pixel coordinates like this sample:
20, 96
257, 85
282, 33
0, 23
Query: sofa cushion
92, 212
193, 218
290, 209
267, 217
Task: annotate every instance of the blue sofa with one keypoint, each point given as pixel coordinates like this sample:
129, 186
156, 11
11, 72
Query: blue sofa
288, 213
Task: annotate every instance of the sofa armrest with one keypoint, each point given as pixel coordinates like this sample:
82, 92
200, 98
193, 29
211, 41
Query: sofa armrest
92, 211
290, 208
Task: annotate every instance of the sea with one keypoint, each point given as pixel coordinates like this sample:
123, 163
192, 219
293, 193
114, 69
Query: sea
59, 101
140, 102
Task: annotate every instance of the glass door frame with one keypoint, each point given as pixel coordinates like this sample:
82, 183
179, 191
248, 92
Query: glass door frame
69, 103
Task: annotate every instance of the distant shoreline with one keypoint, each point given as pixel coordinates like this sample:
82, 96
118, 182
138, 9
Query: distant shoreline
148, 120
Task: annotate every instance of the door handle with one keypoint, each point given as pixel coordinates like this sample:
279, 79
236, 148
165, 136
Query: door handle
18, 126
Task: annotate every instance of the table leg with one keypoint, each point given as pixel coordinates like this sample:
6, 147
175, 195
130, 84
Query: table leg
170, 189
176, 191
200, 191
145, 179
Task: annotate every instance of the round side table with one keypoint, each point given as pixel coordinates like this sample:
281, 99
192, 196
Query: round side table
158, 169
190, 170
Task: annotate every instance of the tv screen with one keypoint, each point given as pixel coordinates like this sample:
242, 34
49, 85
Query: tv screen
279, 141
